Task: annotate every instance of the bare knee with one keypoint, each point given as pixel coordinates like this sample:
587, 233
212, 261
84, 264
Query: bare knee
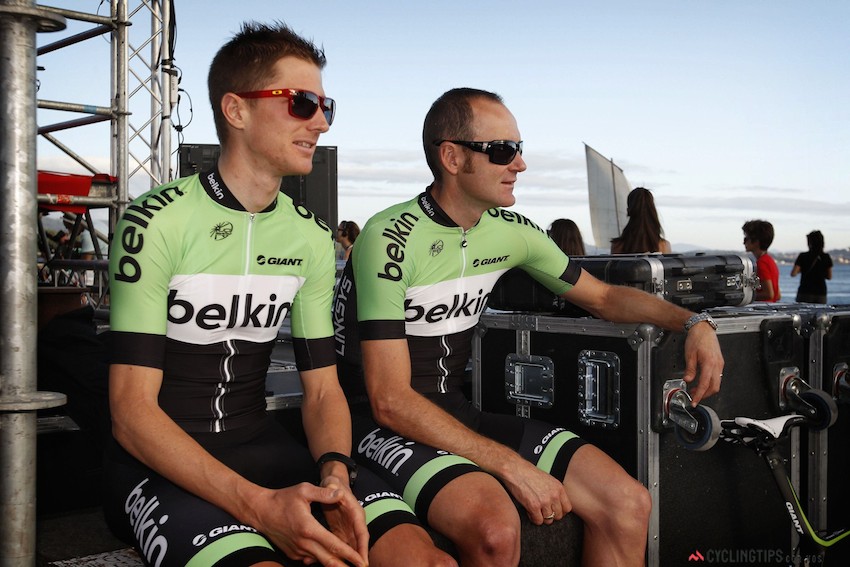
498, 537
494, 541
639, 503
630, 512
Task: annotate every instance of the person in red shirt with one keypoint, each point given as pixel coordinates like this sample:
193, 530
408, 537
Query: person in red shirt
758, 236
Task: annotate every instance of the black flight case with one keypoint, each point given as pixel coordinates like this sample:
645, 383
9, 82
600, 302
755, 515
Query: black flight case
608, 383
693, 281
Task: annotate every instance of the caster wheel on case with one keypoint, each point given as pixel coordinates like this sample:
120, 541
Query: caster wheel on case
826, 411
707, 433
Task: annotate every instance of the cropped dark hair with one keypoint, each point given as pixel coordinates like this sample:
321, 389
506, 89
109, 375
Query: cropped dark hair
450, 118
815, 241
349, 229
245, 62
760, 230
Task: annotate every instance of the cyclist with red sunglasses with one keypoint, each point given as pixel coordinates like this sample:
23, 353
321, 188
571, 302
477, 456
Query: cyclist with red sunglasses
203, 272
406, 307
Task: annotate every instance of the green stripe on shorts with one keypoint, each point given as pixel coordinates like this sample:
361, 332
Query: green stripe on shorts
383, 506
426, 472
225, 546
547, 458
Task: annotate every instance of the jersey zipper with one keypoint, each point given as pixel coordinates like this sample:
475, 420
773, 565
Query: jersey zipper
230, 345
463, 245
444, 343
248, 239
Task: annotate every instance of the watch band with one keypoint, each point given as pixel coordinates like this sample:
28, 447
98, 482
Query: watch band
344, 459
699, 318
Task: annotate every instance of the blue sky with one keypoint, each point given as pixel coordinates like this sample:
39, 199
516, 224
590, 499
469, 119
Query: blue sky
728, 109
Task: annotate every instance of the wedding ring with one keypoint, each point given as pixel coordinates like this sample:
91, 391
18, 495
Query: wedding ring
550, 516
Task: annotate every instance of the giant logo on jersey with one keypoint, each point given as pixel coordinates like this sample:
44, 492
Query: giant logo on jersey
209, 308
448, 307
272, 261
478, 262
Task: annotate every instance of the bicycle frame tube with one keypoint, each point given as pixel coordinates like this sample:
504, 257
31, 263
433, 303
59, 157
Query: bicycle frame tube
792, 504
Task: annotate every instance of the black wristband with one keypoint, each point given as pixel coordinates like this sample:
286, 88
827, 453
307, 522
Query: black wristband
344, 459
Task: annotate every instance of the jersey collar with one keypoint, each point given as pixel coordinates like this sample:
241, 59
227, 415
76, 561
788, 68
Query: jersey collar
430, 207
217, 190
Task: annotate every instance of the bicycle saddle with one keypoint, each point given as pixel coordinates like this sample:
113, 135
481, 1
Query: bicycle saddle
776, 427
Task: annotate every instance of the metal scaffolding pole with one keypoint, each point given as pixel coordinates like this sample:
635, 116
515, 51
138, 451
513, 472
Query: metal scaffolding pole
19, 22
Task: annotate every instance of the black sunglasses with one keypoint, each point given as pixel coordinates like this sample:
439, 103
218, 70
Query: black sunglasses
500, 152
302, 104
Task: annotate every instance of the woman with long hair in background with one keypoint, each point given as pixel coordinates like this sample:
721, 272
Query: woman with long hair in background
567, 236
643, 232
815, 267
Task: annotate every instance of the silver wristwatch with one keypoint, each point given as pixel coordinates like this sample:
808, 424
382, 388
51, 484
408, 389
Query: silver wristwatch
698, 318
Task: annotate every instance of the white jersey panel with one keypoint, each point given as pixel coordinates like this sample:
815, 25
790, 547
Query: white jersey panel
211, 308
428, 314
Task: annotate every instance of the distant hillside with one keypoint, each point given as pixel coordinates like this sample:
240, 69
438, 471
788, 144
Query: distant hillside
839, 255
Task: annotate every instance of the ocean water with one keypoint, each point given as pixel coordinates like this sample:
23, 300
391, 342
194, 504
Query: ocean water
837, 289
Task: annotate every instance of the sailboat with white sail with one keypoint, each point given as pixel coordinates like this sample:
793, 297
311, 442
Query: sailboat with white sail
608, 190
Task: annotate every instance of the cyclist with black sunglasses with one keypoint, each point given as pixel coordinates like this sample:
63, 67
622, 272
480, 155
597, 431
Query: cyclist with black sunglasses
203, 272
406, 307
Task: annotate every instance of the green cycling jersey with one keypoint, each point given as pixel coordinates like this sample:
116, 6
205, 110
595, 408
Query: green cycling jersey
416, 274
199, 288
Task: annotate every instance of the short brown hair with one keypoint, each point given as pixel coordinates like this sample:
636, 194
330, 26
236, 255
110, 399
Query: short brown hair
450, 118
760, 230
243, 63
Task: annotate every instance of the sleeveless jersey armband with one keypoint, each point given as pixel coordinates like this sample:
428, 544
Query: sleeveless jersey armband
137, 349
314, 353
572, 273
381, 329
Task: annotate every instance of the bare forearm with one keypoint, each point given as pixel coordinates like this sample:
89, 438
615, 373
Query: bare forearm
327, 424
163, 446
147, 433
629, 305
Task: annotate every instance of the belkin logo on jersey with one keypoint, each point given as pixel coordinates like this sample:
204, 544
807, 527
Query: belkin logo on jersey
397, 235
450, 306
210, 308
132, 238
513, 217
460, 305
242, 311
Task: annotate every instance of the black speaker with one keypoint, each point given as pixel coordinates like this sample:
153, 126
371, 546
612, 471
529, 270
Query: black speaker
192, 158
316, 192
